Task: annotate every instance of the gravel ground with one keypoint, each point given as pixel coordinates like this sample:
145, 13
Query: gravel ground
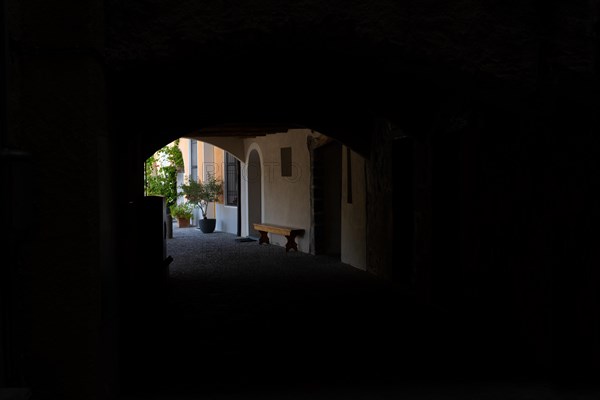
242, 320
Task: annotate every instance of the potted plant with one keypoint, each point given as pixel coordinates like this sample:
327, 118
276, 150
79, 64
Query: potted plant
183, 212
201, 194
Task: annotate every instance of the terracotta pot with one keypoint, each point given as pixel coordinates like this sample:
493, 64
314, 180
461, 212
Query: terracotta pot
183, 222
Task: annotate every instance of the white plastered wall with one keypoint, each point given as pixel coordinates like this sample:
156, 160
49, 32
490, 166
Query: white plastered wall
285, 200
226, 218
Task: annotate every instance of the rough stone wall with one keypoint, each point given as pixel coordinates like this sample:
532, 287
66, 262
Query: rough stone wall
57, 115
526, 265
519, 267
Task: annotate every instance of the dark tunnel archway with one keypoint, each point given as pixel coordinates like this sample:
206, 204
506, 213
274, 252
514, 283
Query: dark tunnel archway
368, 104
493, 106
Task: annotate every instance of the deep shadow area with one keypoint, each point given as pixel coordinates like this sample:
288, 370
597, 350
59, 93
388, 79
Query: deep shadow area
242, 319
495, 197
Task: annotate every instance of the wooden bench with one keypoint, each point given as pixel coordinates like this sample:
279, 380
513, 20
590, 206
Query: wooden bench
289, 233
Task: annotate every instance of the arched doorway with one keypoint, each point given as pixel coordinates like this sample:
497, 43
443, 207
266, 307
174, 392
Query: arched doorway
254, 178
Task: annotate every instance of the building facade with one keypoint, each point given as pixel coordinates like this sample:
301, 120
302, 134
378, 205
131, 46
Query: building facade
298, 178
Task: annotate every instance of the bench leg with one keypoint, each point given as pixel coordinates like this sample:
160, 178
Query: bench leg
264, 238
291, 243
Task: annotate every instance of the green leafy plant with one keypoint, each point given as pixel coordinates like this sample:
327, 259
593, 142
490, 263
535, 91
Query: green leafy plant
182, 210
160, 173
200, 194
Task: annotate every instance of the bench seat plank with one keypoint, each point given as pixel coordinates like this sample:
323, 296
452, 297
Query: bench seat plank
289, 232
277, 229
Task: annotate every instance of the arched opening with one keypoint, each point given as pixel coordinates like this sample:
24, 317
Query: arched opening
254, 181
226, 297
357, 170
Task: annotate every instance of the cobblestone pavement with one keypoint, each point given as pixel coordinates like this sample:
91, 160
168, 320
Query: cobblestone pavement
242, 320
